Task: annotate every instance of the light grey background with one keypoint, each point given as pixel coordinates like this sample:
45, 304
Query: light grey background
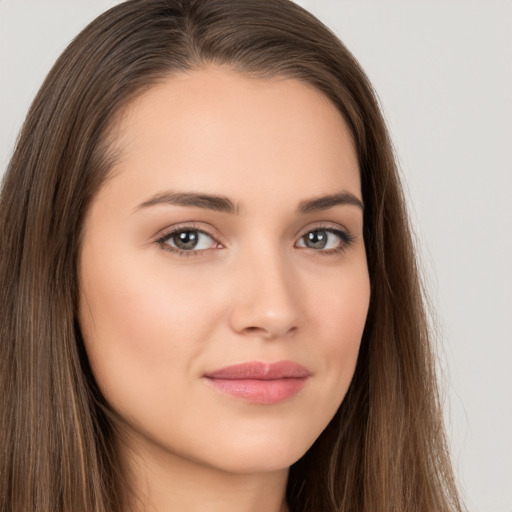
444, 75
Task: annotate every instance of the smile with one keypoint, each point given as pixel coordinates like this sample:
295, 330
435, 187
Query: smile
260, 383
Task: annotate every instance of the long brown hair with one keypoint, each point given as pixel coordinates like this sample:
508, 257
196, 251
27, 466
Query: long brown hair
385, 448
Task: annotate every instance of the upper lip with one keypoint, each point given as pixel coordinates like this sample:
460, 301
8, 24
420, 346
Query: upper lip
261, 371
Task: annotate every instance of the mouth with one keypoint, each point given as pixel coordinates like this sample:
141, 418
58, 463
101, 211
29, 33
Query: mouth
260, 383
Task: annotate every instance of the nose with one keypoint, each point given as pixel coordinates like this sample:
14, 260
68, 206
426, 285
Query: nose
265, 299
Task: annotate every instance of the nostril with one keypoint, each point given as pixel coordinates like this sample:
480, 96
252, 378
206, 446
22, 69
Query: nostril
269, 333
253, 329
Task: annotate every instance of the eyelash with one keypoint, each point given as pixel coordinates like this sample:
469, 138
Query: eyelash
346, 239
180, 252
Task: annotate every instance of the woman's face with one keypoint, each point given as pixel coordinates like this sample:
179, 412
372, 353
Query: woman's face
223, 276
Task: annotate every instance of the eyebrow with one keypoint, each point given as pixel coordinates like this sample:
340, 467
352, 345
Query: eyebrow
210, 202
225, 205
325, 202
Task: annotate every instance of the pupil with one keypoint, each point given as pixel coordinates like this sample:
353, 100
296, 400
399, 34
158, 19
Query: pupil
186, 239
316, 239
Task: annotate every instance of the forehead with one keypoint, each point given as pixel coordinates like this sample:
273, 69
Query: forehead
218, 129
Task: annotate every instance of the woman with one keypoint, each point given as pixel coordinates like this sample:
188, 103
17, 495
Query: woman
210, 298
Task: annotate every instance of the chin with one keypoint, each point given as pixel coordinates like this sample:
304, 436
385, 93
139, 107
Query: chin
263, 452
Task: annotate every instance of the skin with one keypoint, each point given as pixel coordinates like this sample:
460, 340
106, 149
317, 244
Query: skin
155, 321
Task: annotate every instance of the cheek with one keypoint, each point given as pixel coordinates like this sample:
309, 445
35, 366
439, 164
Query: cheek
140, 325
339, 318
340, 307
345, 316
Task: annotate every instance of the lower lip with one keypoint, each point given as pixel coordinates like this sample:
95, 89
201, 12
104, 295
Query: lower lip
260, 391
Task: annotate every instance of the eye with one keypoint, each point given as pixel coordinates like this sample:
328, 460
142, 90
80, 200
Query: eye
328, 240
188, 240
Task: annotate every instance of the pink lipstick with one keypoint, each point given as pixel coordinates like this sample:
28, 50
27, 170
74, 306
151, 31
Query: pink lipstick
259, 382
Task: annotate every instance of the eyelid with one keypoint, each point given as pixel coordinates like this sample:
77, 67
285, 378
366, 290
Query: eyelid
347, 238
186, 226
327, 226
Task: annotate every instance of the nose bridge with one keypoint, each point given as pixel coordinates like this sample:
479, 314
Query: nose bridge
265, 301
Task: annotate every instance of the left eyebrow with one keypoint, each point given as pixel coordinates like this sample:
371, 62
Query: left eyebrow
325, 202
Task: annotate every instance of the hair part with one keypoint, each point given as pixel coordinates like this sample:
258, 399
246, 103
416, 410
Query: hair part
385, 448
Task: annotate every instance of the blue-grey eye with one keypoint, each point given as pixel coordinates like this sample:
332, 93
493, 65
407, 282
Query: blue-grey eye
321, 239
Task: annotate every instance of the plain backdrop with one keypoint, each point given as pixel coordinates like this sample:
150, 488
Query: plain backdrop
443, 72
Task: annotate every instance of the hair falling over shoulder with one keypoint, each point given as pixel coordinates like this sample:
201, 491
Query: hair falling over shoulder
385, 449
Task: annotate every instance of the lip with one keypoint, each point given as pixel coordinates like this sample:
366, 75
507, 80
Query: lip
260, 382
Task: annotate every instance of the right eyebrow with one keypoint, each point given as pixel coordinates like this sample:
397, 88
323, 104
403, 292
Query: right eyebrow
210, 202
322, 203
